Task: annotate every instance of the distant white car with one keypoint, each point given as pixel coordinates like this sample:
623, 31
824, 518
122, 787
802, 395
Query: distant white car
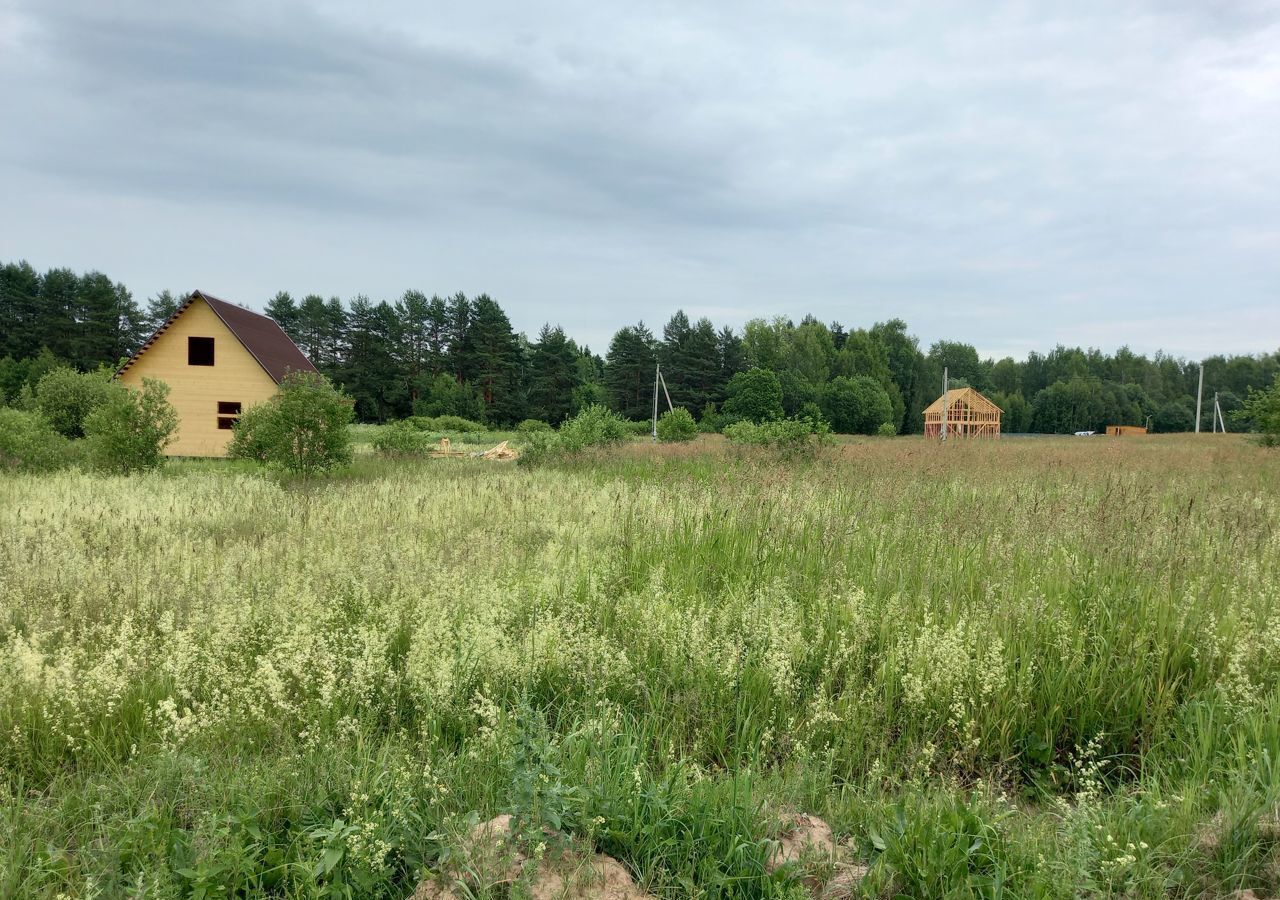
1085, 433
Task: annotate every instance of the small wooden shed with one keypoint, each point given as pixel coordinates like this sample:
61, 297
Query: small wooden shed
967, 412
1120, 430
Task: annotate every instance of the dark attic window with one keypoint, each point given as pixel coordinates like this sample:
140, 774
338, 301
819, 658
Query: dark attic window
199, 351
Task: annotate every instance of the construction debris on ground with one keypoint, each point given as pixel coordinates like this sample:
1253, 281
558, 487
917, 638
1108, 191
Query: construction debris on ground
501, 452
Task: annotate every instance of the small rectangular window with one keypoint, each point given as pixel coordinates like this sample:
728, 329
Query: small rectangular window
199, 351
228, 414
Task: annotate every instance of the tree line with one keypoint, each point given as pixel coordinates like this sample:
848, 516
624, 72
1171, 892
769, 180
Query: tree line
458, 355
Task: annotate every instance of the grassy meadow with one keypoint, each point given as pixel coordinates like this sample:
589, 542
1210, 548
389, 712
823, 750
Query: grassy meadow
1029, 668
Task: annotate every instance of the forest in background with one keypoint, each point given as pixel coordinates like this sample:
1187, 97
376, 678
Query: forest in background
457, 355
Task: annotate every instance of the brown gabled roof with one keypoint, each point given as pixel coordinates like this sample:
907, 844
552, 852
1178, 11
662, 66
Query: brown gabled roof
261, 336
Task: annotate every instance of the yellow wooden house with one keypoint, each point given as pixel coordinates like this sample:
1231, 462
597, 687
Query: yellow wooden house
218, 359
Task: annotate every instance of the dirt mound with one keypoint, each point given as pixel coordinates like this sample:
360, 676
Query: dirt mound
572, 877
804, 837
807, 844
490, 857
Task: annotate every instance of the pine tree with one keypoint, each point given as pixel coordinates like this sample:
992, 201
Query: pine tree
55, 313
370, 373
165, 304
691, 363
731, 357
310, 328
554, 375
413, 347
97, 329
458, 311
283, 309
628, 371
492, 360
21, 329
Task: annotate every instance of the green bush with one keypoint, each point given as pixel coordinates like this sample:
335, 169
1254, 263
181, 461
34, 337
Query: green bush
66, 397
529, 426
887, 429
454, 424
857, 405
540, 447
400, 439
249, 439
677, 426
129, 431
799, 434
302, 429
28, 443
755, 395
595, 426
1263, 409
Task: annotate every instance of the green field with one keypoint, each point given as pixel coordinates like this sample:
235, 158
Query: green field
1036, 668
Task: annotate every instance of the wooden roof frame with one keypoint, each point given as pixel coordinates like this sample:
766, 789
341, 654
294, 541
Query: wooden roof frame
967, 395
968, 414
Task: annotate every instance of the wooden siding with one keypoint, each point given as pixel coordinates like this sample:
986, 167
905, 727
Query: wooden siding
195, 391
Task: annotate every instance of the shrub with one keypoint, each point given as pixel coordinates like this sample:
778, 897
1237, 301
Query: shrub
1263, 409
529, 426
249, 438
455, 424
755, 395
677, 425
400, 439
786, 435
66, 397
540, 447
129, 431
857, 405
811, 410
595, 426
28, 443
887, 429
302, 429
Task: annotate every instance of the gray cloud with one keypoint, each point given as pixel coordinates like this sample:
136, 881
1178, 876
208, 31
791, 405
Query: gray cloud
1101, 174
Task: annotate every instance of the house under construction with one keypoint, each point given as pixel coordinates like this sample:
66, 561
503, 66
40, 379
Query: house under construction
966, 413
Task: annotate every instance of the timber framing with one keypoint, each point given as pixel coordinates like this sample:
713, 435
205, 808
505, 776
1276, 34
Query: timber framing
968, 414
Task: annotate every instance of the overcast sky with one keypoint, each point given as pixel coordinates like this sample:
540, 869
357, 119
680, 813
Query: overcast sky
1083, 173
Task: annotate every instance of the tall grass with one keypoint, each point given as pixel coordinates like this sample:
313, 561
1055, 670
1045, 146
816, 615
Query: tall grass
1015, 669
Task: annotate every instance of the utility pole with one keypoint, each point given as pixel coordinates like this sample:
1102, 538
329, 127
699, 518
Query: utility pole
943, 431
1199, 394
657, 373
